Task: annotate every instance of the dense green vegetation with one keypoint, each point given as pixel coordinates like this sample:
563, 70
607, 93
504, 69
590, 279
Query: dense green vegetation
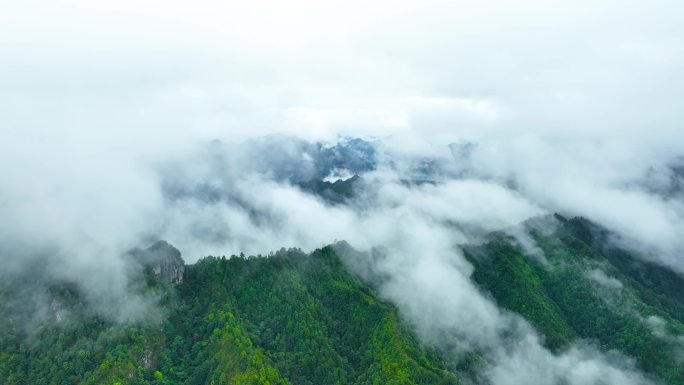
295, 318
583, 287
290, 318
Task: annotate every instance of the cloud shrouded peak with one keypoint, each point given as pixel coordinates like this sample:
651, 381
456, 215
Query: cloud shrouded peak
216, 125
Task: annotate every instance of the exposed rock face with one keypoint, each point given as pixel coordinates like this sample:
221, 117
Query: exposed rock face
146, 359
164, 260
59, 309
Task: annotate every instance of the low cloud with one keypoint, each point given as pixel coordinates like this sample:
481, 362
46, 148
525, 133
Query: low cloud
548, 107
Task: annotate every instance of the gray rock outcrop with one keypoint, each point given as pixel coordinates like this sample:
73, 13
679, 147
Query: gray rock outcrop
163, 260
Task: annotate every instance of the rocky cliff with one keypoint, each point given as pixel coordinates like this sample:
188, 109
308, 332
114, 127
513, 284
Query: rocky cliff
163, 260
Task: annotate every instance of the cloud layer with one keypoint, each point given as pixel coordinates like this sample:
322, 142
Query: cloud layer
556, 107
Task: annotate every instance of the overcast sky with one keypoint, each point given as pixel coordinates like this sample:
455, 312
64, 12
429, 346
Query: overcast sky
169, 70
578, 103
575, 101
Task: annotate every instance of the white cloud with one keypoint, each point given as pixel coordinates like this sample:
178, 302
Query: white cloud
573, 103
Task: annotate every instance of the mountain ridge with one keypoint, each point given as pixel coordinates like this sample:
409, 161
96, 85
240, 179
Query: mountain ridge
293, 317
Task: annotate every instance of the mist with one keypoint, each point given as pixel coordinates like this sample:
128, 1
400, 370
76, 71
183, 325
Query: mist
148, 122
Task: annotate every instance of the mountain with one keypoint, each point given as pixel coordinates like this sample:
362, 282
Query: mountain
278, 158
578, 285
289, 318
297, 318
163, 261
339, 191
286, 158
330, 171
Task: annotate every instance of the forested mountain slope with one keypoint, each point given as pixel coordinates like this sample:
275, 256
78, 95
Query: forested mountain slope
290, 318
296, 318
579, 285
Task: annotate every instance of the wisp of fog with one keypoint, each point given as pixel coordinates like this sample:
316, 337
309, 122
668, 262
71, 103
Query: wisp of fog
481, 115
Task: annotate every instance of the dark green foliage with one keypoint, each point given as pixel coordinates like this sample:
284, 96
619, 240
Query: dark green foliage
633, 307
290, 318
295, 318
317, 323
517, 284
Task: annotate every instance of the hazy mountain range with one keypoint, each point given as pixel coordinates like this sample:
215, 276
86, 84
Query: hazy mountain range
421, 281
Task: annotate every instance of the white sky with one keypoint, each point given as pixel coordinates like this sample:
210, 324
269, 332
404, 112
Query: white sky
443, 69
574, 100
